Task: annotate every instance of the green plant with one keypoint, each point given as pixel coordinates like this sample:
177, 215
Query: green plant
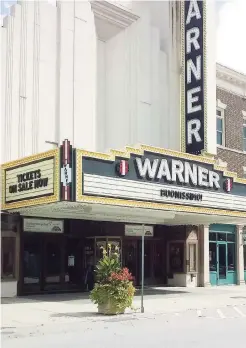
110, 262
113, 283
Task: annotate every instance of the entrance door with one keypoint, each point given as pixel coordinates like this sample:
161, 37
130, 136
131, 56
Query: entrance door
52, 263
32, 265
42, 263
158, 266
130, 258
222, 263
74, 268
147, 262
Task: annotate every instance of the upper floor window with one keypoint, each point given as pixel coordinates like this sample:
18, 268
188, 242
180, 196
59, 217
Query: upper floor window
220, 127
244, 134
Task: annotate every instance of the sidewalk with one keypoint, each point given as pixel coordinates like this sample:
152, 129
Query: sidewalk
45, 310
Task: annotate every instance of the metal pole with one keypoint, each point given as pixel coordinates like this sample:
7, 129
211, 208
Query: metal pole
142, 285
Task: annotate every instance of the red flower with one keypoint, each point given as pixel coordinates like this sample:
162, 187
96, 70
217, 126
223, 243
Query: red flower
123, 275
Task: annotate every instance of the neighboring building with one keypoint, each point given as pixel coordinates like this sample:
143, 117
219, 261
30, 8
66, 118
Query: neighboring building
105, 75
231, 123
231, 119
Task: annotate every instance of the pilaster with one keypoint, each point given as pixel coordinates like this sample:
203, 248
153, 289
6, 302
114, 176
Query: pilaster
204, 255
239, 255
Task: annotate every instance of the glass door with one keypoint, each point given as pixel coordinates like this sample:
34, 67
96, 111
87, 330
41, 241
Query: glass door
73, 264
130, 257
158, 266
222, 263
32, 275
213, 263
52, 263
101, 244
147, 262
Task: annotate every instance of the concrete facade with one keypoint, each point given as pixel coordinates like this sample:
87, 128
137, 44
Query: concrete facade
101, 74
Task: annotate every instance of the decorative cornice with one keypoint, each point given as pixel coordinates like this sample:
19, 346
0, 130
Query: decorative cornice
230, 75
113, 14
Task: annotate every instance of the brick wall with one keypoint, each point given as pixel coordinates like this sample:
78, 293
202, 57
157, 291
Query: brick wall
233, 131
235, 161
233, 118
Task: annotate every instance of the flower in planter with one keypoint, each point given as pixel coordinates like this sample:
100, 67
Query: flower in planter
113, 291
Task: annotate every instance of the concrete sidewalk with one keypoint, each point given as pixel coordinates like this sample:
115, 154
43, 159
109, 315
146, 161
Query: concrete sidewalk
45, 310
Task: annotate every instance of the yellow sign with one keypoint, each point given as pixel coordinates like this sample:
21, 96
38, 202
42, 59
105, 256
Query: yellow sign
32, 180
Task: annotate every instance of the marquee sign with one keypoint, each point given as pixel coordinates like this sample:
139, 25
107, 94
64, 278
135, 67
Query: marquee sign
166, 179
194, 89
32, 180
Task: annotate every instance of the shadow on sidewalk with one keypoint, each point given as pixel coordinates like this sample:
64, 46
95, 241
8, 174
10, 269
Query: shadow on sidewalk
75, 315
109, 318
149, 292
58, 297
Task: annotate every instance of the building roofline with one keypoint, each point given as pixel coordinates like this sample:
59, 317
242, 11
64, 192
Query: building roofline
230, 75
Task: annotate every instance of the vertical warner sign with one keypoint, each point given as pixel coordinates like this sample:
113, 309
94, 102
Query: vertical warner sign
66, 171
194, 88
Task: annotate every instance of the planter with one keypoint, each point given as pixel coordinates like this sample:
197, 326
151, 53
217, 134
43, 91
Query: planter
113, 291
109, 309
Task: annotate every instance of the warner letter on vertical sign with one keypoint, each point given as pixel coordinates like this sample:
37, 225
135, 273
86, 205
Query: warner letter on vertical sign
194, 76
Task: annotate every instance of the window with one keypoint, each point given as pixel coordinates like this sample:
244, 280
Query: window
220, 127
8, 257
244, 134
221, 237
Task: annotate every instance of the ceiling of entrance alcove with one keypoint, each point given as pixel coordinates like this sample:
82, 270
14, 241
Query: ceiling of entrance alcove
103, 212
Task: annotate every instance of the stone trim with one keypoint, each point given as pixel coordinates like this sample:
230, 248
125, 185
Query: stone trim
230, 149
114, 14
231, 91
221, 105
230, 75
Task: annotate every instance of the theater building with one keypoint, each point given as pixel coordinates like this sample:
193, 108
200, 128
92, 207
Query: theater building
103, 76
70, 202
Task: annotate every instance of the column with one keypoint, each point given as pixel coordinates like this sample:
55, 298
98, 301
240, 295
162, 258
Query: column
239, 255
204, 255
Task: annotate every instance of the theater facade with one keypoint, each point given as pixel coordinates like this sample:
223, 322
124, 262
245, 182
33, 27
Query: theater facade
60, 207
